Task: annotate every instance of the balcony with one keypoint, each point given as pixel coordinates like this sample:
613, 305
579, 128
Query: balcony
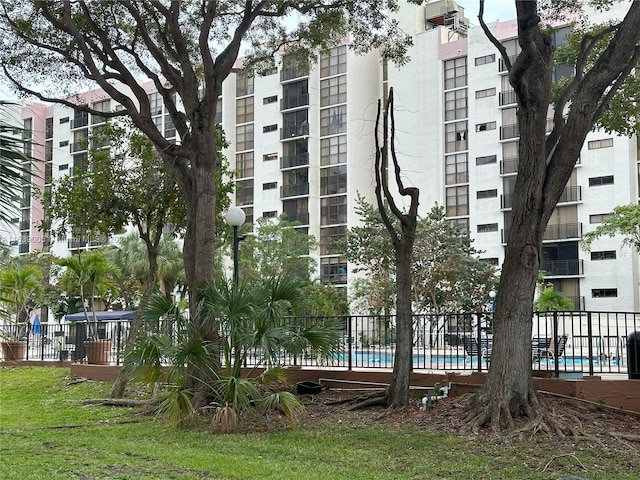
561, 231
23, 247
571, 194
25, 225
294, 160
509, 131
294, 102
506, 201
507, 97
291, 72
509, 165
501, 65
301, 218
562, 268
578, 303
294, 131
294, 190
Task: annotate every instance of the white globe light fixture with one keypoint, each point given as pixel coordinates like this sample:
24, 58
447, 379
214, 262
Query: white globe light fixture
235, 218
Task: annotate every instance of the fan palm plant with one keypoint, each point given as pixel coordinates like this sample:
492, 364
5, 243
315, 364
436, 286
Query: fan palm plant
92, 274
254, 328
21, 291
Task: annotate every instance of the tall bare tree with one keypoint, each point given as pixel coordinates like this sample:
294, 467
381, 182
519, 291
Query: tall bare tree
402, 241
545, 165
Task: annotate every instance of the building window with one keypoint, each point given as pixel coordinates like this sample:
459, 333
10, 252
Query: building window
481, 127
267, 157
333, 150
333, 120
270, 214
455, 104
456, 169
271, 99
48, 128
455, 136
169, 127
491, 261
486, 193
487, 92
333, 210
244, 83
333, 62
64, 166
599, 217
244, 164
486, 160
485, 59
270, 128
455, 73
462, 223
244, 110
604, 255
333, 91
64, 120
457, 201
64, 143
329, 238
604, 292
244, 192
101, 106
333, 270
269, 185
604, 143
333, 180
80, 119
488, 227
606, 180
155, 103
244, 137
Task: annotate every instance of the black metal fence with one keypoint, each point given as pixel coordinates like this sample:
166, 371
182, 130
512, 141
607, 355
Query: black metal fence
562, 343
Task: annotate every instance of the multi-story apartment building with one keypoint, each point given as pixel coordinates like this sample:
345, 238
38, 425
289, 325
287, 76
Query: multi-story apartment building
302, 143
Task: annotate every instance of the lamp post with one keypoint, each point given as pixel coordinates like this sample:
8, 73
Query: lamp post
492, 296
235, 218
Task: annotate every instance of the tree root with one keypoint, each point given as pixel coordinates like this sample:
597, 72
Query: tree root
117, 402
555, 457
369, 402
625, 436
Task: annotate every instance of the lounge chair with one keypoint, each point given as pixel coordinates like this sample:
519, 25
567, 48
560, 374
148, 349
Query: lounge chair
546, 350
474, 350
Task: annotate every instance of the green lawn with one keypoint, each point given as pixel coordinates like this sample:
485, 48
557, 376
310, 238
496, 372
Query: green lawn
45, 435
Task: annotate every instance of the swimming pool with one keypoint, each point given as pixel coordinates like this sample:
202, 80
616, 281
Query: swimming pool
365, 358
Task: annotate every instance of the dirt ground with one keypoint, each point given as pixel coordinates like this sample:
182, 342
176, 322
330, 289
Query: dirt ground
598, 423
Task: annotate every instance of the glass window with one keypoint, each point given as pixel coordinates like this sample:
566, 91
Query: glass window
599, 217
455, 104
488, 227
486, 160
244, 110
333, 180
486, 193
455, 136
328, 238
333, 270
487, 92
455, 73
155, 101
481, 127
333, 91
48, 128
244, 83
604, 143
244, 164
604, 255
333, 150
333, 120
101, 106
333, 210
80, 119
333, 62
605, 180
244, 192
457, 201
485, 59
244, 137
456, 169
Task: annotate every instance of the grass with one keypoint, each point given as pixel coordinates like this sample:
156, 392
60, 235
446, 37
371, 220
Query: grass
44, 434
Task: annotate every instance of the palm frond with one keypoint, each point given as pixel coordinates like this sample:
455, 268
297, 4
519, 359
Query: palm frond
287, 403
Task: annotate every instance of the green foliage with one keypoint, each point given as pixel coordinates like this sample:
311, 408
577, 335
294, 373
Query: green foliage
550, 300
20, 292
623, 113
447, 275
253, 322
624, 220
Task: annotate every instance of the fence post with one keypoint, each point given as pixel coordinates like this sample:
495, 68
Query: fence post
479, 340
555, 345
590, 342
349, 343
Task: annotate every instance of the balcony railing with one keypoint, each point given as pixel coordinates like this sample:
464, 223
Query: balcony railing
294, 160
25, 225
561, 231
301, 218
294, 131
23, 248
501, 65
507, 97
506, 201
509, 165
294, 190
292, 72
294, 102
571, 194
509, 131
559, 268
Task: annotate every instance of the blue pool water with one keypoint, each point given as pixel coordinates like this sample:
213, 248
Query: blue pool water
365, 358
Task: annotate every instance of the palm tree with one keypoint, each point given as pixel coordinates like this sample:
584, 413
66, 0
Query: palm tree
21, 288
91, 273
12, 171
253, 322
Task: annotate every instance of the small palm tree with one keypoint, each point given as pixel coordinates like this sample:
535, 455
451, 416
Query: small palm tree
91, 273
252, 322
550, 300
21, 290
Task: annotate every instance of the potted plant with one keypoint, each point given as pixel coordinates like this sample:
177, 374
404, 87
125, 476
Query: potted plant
93, 275
20, 294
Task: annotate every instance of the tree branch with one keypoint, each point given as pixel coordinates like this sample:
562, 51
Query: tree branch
492, 38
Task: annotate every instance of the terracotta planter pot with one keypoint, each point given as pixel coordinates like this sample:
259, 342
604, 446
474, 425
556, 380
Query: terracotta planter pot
12, 351
98, 351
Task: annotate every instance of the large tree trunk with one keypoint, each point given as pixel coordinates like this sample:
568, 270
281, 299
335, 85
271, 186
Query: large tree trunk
545, 166
398, 393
